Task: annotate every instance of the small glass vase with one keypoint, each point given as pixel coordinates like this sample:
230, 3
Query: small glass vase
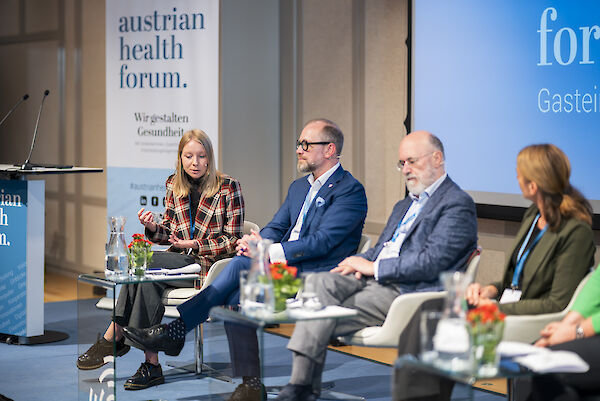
279, 301
485, 338
139, 261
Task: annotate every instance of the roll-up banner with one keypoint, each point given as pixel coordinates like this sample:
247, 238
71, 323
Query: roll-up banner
162, 79
22, 256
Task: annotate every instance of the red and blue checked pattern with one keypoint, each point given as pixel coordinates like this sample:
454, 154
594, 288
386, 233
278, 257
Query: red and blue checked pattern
219, 221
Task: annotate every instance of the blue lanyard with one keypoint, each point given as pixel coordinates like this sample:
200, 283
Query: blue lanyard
192, 220
522, 255
402, 225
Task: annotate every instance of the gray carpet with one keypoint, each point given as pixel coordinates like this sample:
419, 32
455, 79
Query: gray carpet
48, 372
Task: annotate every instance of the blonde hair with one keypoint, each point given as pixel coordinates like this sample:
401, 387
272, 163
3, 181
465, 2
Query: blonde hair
211, 181
550, 169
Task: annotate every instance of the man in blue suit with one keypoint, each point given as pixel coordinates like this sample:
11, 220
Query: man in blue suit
432, 230
319, 224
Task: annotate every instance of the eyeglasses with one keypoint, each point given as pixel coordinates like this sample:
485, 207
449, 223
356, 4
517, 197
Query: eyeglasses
305, 144
411, 161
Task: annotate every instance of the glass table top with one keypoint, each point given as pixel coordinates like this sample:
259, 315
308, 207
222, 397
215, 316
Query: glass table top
101, 280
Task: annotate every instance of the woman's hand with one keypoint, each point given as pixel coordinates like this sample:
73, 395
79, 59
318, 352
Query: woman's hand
556, 333
546, 333
478, 295
183, 243
559, 332
147, 220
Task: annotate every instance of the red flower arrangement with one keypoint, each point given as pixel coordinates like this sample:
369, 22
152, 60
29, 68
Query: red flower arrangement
486, 326
488, 313
280, 270
139, 252
285, 283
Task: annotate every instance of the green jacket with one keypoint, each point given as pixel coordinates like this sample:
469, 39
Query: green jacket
553, 269
588, 301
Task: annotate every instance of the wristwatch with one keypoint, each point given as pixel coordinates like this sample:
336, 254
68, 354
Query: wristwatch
579, 332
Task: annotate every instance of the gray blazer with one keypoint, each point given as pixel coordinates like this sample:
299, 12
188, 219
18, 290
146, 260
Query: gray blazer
441, 239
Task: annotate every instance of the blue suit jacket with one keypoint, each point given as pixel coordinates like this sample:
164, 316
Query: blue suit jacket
441, 239
332, 227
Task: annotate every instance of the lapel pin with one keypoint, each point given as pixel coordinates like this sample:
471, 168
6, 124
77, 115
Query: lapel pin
330, 185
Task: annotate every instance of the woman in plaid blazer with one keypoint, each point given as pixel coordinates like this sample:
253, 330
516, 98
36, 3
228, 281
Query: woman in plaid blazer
197, 192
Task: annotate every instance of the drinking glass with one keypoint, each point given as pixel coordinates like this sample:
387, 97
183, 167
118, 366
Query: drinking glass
308, 293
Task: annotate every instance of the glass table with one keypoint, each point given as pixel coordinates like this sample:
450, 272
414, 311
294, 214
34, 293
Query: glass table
99, 384
270, 356
508, 370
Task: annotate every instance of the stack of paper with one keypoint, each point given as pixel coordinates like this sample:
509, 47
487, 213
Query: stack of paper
542, 360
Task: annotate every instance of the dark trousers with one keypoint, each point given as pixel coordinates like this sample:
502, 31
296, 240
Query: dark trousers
243, 350
571, 386
140, 305
414, 384
225, 290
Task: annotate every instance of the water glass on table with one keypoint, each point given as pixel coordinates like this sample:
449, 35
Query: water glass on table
308, 294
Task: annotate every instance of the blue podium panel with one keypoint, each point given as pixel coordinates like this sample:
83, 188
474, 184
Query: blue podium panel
22, 257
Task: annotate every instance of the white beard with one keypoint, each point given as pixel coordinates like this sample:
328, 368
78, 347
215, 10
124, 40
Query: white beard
419, 185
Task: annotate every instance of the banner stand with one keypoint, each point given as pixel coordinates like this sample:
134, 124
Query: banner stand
22, 225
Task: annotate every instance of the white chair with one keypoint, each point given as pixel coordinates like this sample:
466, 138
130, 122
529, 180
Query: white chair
364, 244
526, 328
400, 313
176, 296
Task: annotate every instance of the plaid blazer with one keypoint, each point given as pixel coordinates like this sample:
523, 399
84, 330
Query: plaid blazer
219, 222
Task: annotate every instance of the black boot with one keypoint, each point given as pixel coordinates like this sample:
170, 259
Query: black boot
147, 375
156, 338
93, 358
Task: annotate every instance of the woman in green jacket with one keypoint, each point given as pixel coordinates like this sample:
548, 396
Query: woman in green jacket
554, 248
577, 332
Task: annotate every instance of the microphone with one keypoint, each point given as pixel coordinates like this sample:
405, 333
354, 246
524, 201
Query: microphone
25, 97
27, 165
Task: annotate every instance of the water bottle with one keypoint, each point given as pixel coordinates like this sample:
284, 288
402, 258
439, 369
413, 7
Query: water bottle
452, 340
116, 257
258, 295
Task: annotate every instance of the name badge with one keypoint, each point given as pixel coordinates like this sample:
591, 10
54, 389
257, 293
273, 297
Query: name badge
509, 296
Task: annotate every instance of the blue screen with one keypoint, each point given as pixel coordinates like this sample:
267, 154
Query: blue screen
490, 77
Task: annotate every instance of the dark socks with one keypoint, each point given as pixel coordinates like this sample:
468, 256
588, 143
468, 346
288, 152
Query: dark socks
177, 329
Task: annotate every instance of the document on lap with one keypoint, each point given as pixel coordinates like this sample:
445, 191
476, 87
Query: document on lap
189, 269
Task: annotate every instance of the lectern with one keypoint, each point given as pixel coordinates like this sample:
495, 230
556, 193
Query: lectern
22, 205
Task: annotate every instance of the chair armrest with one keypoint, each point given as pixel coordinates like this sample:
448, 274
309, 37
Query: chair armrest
404, 307
526, 328
398, 317
214, 271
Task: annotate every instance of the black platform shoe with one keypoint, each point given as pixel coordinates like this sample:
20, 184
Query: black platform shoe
147, 375
93, 358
